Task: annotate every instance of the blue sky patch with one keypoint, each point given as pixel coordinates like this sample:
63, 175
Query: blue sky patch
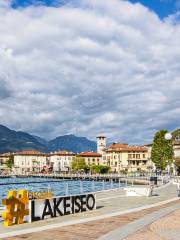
162, 7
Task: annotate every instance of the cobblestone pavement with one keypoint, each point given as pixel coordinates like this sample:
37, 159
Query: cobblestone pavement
109, 204
166, 228
90, 230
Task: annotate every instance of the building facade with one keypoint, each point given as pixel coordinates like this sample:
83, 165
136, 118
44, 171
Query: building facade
29, 161
3, 161
61, 161
176, 147
122, 157
92, 158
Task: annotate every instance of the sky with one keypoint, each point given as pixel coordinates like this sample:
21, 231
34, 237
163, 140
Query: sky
163, 8
90, 67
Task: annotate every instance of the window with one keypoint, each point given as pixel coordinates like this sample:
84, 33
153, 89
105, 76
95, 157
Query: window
134, 155
138, 156
144, 155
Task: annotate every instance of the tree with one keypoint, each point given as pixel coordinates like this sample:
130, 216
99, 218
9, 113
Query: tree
78, 163
10, 162
162, 150
99, 168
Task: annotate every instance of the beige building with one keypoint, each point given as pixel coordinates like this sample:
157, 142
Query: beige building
61, 161
29, 161
4, 157
120, 156
176, 147
92, 158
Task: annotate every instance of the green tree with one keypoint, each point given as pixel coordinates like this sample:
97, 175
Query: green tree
10, 162
162, 150
78, 163
99, 168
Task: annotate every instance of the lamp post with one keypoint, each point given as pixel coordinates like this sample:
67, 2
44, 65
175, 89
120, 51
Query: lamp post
168, 136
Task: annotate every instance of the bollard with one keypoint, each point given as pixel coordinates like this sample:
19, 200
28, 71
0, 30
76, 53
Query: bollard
67, 189
178, 189
111, 183
81, 187
119, 182
93, 186
103, 185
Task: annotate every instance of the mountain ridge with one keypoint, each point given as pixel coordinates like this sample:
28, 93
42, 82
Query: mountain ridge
12, 141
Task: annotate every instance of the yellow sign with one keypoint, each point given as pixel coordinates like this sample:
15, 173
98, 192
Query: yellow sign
40, 195
16, 207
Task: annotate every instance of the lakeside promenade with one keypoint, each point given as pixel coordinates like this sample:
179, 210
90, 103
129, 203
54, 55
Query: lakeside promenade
114, 210
129, 179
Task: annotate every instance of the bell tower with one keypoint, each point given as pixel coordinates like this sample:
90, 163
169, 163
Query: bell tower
101, 144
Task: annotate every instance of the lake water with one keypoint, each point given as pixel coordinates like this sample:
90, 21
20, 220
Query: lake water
58, 187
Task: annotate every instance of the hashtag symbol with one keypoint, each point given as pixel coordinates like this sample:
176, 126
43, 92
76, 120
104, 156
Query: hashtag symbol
16, 207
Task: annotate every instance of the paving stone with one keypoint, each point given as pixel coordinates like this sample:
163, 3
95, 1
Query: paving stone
90, 230
97, 228
166, 228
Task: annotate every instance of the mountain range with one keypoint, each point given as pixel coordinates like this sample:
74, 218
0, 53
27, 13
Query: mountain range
12, 141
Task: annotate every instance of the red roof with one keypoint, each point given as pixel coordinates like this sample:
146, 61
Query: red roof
29, 152
90, 154
6, 154
125, 147
63, 153
148, 145
118, 145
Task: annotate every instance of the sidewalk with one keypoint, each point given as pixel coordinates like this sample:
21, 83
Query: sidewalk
102, 229
131, 228
165, 228
114, 210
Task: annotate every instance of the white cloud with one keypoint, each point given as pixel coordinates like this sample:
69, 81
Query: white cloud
104, 66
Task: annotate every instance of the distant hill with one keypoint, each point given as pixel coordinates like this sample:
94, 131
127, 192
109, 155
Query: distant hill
12, 141
71, 143
41, 140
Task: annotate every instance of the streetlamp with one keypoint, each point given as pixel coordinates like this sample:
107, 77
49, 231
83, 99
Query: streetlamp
168, 136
